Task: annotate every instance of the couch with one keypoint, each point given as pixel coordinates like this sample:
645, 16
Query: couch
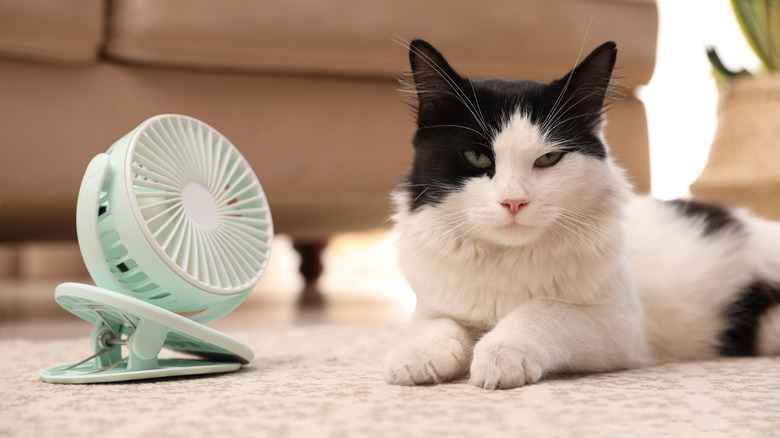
306, 90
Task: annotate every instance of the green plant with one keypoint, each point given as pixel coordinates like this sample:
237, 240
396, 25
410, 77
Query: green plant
760, 23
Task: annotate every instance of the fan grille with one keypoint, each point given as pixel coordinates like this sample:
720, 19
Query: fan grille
201, 204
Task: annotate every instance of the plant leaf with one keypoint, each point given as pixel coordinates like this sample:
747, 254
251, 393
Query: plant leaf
721, 73
755, 20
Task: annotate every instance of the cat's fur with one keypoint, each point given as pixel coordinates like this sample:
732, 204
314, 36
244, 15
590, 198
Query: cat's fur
521, 270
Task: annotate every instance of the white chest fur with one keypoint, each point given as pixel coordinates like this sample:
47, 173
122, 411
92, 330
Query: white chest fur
478, 282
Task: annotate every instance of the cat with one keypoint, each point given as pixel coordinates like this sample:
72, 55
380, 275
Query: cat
530, 254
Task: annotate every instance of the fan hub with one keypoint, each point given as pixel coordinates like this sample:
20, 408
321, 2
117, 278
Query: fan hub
199, 204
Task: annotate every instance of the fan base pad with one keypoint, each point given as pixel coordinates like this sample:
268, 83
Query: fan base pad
90, 373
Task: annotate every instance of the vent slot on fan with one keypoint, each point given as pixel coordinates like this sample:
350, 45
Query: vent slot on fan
205, 208
124, 268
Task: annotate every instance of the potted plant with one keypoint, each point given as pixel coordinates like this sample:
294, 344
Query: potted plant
743, 167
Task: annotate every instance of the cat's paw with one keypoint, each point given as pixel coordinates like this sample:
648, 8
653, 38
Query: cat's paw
420, 363
499, 364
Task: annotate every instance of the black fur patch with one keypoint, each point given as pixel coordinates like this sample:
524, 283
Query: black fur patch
717, 219
455, 114
742, 316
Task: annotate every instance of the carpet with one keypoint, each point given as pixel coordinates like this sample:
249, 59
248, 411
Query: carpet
326, 381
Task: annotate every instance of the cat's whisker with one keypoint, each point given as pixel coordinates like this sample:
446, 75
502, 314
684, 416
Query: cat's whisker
571, 73
588, 222
553, 119
581, 115
584, 226
458, 231
592, 236
557, 109
452, 237
478, 107
460, 127
421, 193
582, 215
570, 236
563, 235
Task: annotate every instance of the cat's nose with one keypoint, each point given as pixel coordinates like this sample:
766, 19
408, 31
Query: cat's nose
514, 205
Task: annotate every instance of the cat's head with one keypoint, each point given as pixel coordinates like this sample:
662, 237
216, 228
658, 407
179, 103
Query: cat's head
510, 161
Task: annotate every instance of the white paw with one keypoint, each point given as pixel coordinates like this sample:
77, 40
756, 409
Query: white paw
420, 363
502, 365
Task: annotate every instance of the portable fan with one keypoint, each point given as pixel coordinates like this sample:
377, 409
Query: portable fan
171, 221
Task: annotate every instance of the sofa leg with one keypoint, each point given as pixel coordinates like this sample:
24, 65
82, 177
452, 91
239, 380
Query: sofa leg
311, 269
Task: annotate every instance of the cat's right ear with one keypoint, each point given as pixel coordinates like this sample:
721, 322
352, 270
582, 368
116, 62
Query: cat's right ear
435, 82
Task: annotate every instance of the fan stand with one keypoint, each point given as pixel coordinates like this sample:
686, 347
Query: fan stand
143, 330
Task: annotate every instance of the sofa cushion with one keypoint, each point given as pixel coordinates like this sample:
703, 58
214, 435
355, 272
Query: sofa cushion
52, 30
495, 37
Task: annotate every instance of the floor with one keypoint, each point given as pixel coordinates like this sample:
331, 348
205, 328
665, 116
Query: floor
360, 285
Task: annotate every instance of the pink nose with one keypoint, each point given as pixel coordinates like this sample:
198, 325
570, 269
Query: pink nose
514, 205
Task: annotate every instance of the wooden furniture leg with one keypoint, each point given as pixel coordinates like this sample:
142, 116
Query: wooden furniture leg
311, 269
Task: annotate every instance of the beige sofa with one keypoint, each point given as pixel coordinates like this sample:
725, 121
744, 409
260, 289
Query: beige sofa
306, 89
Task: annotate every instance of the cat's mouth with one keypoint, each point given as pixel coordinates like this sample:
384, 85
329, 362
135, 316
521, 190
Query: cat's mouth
514, 227
513, 233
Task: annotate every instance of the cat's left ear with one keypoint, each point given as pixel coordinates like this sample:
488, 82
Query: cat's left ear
586, 86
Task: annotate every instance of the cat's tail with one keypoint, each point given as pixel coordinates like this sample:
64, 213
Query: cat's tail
766, 242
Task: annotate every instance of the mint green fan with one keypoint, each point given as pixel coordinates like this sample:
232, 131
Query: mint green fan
171, 221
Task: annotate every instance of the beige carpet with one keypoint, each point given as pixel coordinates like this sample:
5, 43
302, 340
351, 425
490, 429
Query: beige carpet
326, 381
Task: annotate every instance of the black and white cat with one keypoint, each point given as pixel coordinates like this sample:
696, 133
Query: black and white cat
529, 254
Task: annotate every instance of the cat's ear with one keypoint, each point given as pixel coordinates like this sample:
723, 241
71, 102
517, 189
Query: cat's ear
435, 82
586, 86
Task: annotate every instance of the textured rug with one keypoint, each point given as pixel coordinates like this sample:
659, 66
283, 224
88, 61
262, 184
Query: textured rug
326, 381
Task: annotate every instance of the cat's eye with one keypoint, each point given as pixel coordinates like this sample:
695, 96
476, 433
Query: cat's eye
477, 159
548, 159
